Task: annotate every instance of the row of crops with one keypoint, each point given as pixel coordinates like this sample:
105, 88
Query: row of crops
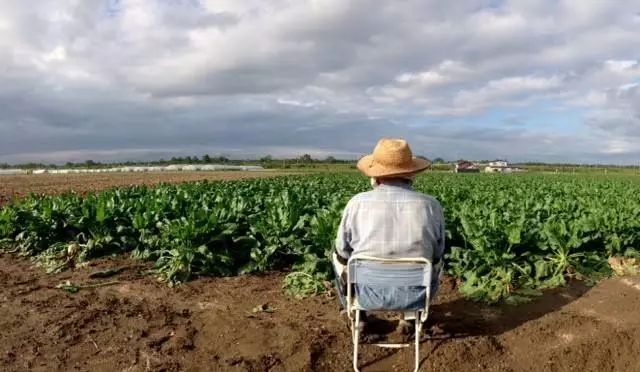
508, 236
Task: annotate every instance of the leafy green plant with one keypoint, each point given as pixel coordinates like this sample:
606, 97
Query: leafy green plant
508, 237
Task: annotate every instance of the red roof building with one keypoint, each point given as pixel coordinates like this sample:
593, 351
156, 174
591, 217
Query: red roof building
465, 166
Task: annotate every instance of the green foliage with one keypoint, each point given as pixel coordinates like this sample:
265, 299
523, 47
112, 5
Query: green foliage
507, 236
300, 284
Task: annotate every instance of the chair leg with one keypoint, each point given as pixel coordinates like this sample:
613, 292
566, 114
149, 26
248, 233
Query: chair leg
418, 328
356, 340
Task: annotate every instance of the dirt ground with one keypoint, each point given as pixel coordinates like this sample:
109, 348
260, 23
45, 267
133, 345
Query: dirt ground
138, 324
16, 186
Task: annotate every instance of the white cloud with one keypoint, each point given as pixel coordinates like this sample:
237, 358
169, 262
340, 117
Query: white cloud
621, 146
293, 102
502, 90
58, 54
161, 75
620, 66
446, 72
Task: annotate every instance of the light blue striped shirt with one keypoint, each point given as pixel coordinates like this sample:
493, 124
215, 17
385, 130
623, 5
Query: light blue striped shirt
392, 221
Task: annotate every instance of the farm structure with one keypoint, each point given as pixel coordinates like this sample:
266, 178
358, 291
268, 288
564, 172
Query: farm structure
12, 171
501, 166
465, 166
139, 169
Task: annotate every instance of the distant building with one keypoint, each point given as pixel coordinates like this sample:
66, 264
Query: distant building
465, 166
501, 166
138, 169
13, 171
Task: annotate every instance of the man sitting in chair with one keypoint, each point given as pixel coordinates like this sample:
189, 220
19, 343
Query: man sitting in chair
392, 220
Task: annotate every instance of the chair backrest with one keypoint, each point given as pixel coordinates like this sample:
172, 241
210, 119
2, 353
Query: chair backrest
391, 284
389, 273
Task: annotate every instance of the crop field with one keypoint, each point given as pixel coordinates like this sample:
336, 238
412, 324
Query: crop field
509, 237
510, 241
18, 186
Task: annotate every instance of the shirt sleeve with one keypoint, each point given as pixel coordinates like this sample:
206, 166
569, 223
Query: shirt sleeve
343, 248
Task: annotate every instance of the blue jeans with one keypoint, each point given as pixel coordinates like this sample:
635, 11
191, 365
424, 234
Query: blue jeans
401, 297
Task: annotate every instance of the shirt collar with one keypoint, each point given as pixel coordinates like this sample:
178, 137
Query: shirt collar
395, 185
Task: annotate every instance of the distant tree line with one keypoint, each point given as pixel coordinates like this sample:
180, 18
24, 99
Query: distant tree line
267, 161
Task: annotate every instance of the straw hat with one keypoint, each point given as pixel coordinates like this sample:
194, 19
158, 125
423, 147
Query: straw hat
391, 157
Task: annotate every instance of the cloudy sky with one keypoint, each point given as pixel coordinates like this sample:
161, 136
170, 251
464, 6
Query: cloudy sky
144, 79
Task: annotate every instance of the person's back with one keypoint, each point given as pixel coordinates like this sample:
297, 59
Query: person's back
392, 221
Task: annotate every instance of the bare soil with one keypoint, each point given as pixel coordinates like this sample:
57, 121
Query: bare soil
138, 324
17, 186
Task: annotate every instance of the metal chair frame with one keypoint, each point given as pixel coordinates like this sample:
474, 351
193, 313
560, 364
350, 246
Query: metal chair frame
354, 310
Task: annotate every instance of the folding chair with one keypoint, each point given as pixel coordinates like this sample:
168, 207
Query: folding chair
379, 284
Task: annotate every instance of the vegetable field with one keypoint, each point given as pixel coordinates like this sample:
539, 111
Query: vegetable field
508, 236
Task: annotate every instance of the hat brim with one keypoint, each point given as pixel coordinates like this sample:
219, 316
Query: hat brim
370, 168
